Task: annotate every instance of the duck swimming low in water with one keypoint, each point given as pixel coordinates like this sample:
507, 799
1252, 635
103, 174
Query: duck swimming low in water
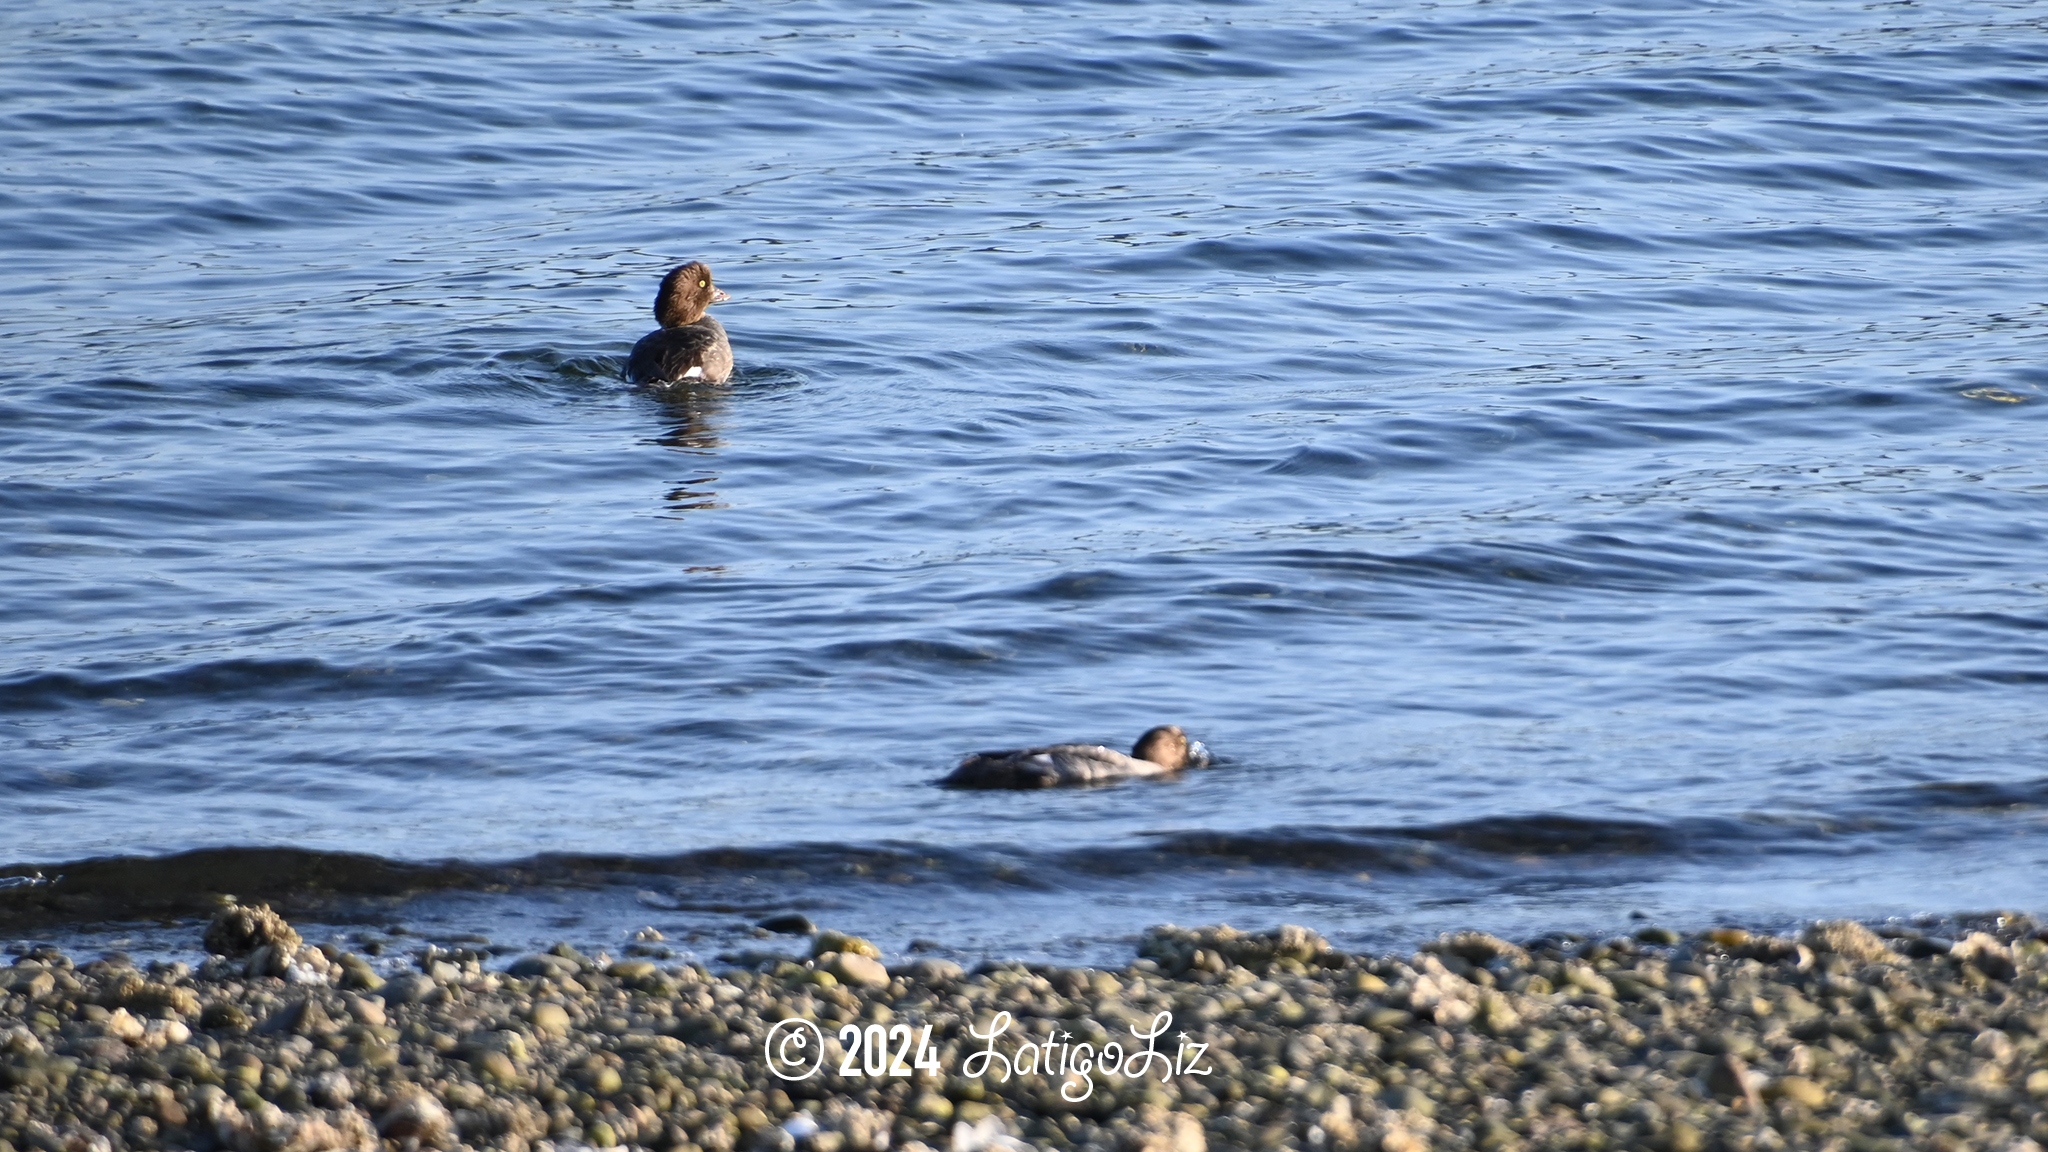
1162, 751
689, 346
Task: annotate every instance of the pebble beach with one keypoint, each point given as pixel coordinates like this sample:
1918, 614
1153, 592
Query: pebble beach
1839, 1037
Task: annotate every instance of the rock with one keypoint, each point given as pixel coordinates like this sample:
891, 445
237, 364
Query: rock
1992, 1044
1581, 975
930, 970
149, 997
1178, 950
841, 942
1408, 1098
303, 1017
1799, 1089
789, 924
984, 1135
1478, 948
1728, 1078
633, 970
238, 931
1987, 955
271, 1129
411, 988
415, 1115
506, 1042
861, 1129
497, 1066
1768, 949
33, 984
223, 1016
857, 969
1156, 1130
550, 1019
331, 1089
1921, 947
541, 964
125, 1027
357, 974
1849, 939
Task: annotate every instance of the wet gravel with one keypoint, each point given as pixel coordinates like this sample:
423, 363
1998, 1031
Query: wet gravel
1840, 1037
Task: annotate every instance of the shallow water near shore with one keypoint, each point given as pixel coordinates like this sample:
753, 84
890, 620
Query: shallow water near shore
1565, 464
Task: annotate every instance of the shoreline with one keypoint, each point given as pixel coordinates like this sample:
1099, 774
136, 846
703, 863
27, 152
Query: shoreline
1838, 1038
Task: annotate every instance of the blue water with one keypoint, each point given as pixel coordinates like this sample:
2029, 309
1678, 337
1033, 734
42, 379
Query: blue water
1567, 461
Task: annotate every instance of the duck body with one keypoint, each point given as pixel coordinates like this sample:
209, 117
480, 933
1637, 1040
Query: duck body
1159, 752
679, 355
689, 347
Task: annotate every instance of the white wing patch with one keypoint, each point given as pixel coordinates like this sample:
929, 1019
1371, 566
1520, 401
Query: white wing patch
695, 373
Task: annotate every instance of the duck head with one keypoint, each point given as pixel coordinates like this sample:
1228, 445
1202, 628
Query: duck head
685, 294
1167, 745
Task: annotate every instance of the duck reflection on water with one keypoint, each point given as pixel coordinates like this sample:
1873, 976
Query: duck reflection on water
693, 414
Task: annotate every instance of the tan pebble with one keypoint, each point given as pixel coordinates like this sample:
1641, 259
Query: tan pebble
1798, 1089
1988, 955
552, 1019
367, 1010
123, 1026
1157, 1130
1451, 1013
841, 942
1847, 938
331, 1089
1992, 1044
1402, 1140
1367, 983
510, 1043
970, 1112
1729, 937
853, 968
238, 931
1581, 975
498, 1066
415, 1114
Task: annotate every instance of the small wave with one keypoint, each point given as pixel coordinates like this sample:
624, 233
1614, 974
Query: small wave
1984, 795
50, 690
340, 885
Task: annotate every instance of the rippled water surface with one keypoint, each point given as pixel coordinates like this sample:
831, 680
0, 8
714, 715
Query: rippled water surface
1566, 460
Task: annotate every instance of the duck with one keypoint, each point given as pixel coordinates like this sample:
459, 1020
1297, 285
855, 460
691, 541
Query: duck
689, 346
1160, 751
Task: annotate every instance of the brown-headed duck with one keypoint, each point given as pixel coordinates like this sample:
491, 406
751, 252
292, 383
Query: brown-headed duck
689, 346
1163, 750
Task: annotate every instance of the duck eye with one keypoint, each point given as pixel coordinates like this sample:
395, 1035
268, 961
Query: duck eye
700, 284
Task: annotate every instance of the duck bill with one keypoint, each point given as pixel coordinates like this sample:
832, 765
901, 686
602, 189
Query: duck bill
720, 296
